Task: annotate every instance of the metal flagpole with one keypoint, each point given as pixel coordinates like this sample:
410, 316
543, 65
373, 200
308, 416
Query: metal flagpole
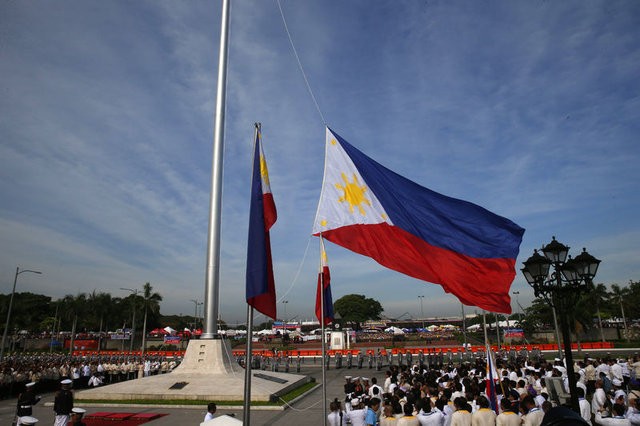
324, 345
464, 326
484, 323
497, 330
246, 415
212, 275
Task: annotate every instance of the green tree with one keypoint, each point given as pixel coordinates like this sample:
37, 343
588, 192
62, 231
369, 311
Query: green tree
596, 297
72, 308
151, 303
633, 299
619, 296
538, 316
28, 311
101, 306
357, 308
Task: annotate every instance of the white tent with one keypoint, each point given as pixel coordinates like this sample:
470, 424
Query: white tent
394, 330
265, 332
170, 330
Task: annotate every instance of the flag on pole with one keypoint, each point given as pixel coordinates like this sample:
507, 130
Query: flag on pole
261, 291
369, 209
324, 279
492, 377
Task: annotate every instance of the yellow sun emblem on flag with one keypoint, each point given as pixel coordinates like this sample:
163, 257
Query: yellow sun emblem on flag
353, 194
264, 171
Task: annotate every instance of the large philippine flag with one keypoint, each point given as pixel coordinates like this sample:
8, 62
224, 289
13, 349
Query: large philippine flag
323, 290
369, 209
261, 291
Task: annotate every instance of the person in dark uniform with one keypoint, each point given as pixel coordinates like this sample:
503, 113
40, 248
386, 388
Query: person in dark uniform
349, 386
26, 401
63, 403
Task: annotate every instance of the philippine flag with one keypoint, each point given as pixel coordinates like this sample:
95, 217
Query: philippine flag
492, 378
261, 291
369, 209
323, 290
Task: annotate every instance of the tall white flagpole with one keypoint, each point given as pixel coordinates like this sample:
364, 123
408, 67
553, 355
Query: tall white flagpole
212, 287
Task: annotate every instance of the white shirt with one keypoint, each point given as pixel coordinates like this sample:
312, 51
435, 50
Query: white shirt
598, 400
616, 372
357, 417
334, 418
585, 410
634, 416
611, 421
433, 418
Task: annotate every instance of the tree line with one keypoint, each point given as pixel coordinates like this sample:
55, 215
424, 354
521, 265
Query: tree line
595, 307
83, 312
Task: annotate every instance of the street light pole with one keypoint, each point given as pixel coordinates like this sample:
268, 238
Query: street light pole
464, 326
284, 320
624, 319
195, 315
133, 320
561, 290
421, 310
13, 292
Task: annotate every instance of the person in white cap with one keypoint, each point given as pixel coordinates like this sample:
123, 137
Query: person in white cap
76, 416
27, 421
26, 401
356, 412
63, 403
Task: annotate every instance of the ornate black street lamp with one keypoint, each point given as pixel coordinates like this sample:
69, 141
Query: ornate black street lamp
561, 289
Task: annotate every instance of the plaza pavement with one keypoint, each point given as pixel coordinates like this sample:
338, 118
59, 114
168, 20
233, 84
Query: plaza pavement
305, 410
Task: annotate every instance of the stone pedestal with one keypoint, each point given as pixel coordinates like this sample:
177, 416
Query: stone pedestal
208, 373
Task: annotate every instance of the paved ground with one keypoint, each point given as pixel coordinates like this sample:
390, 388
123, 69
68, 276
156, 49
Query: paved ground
307, 410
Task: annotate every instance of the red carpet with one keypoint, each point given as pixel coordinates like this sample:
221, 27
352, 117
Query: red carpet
105, 418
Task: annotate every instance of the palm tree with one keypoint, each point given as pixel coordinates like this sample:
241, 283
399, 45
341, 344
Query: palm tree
72, 308
151, 303
100, 306
618, 294
599, 293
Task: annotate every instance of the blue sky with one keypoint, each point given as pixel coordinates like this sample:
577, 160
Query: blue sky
530, 109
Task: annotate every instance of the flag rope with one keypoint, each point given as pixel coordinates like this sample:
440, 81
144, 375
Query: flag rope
304, 75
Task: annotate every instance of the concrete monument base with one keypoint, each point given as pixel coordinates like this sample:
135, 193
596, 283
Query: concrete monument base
208, 373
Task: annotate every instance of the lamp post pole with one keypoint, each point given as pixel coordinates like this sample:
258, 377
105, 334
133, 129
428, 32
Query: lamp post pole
624, 319
284, 320
561, 290
195, 315
516, 294
13, 292
421, 310
133, 320
464, 326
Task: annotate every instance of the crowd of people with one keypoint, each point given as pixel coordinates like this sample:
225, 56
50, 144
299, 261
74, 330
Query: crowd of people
47, 370
442, 394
